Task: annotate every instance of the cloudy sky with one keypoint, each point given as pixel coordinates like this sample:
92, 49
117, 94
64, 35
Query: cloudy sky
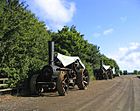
114, 25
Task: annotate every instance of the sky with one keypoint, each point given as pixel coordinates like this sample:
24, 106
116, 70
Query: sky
113, 25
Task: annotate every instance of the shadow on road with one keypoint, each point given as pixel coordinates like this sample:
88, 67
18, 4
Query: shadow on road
52, 94
45, 94
138, 77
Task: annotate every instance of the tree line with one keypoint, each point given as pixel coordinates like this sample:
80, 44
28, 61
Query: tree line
24, 43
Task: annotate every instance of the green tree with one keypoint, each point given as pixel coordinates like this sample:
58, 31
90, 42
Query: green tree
135, 72
109, 61
23, 41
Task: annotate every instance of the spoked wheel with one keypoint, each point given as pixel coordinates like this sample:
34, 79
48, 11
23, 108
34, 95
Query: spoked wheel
110, 76
34, 88
86, 78
82, 79
62, 83
105, 76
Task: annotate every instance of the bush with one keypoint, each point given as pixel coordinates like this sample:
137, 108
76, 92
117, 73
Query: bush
23, 42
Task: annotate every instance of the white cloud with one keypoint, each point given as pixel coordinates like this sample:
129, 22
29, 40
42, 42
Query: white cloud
55, 12
108, 31
96, 34
103, 33
128, 58
123, 19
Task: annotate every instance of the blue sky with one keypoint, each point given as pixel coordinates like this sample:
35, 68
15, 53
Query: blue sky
114, 25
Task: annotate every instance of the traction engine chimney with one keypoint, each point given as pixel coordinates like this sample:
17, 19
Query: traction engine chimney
51, 52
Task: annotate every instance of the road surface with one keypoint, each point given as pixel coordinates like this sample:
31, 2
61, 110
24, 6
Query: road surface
119, 94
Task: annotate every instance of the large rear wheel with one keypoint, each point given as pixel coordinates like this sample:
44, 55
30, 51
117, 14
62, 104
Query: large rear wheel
62, 83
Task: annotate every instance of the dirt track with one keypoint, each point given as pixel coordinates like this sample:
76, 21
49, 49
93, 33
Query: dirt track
119, 94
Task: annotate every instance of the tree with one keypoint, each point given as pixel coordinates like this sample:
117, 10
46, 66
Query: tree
23, 40
125, 72
135, 72
69, 42
109, 61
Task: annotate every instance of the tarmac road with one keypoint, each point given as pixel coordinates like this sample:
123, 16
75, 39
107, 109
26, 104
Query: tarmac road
119, 94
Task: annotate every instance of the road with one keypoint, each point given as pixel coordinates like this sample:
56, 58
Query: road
119, 94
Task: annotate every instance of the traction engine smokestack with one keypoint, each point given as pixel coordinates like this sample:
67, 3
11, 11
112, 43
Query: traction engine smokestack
101, 63
51, 52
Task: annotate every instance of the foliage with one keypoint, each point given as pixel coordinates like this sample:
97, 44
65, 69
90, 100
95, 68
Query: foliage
111, 62
23, 40
125, 72
121, 73
136, 72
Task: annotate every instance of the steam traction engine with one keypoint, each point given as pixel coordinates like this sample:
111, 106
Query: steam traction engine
104, 72
61, 73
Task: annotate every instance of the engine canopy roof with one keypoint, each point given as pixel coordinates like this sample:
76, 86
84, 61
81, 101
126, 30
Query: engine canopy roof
67, 60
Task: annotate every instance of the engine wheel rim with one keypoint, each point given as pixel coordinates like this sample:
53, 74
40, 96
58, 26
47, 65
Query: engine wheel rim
65, 84
85, 79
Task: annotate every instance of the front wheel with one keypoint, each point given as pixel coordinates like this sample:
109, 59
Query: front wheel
34, 88
62, 83
82, 79
106, 76
110, 76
